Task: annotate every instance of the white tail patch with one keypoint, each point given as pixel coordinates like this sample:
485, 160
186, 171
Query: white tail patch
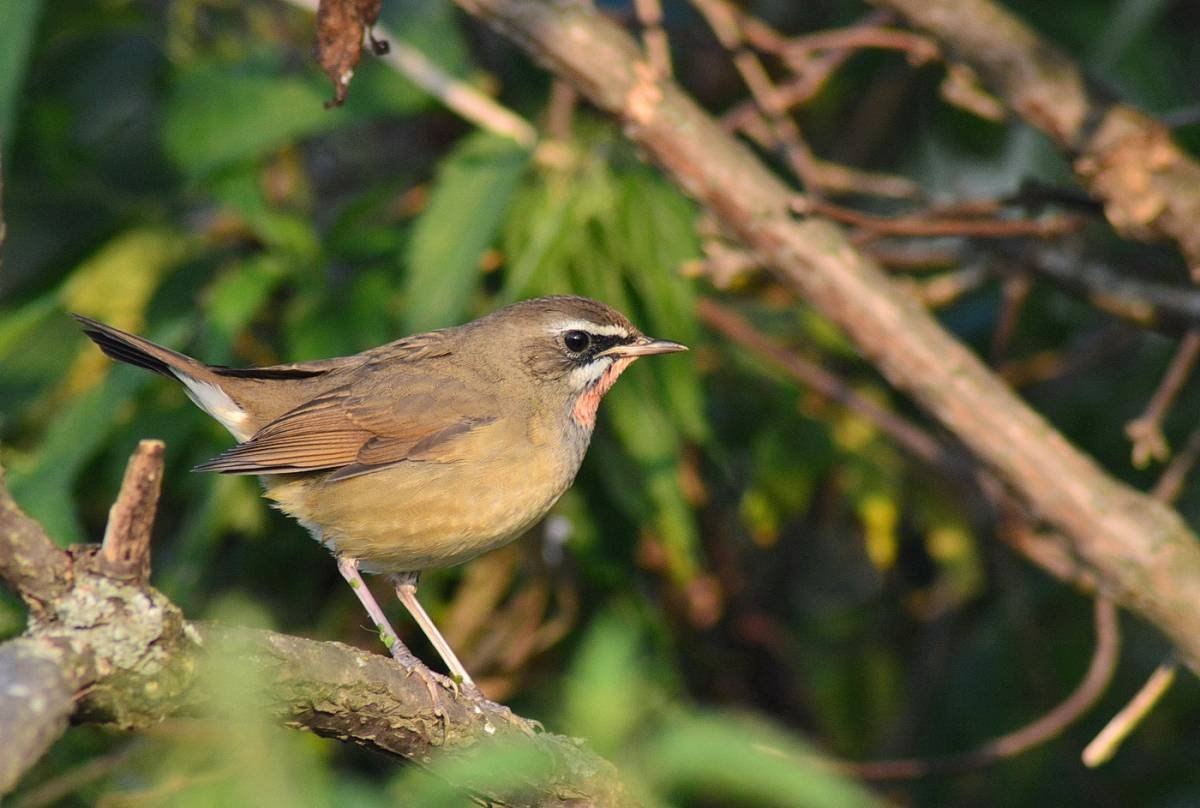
217, 403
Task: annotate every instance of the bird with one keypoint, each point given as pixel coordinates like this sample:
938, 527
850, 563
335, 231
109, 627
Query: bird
421, 453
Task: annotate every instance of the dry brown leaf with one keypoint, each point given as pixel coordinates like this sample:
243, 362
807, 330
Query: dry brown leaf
341, 26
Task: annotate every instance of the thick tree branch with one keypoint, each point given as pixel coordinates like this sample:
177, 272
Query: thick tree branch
1127, 160
103, 646
29, 560
1140, 551
36, 701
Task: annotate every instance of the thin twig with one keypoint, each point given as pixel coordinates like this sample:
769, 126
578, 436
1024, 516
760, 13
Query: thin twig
1145, 431
1105, 744
791, 93
914, 256
765, 119
948, 287
1015, 291
1170, 482
30, 562
1129, 295
962, 89
917, 48
1108, 741
58, 788
876, 227
658, 47
907, 434
725, 21
560, 109
458, 96
125, 552
1045, 728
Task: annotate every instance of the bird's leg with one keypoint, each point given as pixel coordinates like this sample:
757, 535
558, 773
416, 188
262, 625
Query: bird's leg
348, 567
406, 590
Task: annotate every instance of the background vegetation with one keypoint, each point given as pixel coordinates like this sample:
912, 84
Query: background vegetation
742, 563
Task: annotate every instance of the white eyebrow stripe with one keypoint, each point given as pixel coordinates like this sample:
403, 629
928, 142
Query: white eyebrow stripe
605, 330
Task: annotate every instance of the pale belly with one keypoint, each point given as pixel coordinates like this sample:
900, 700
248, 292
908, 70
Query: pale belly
419, 515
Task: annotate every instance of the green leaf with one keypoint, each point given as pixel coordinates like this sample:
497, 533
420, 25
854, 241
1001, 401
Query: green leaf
535, 228
235, 299
26, 376
657, 233
16, 324
725, 759
284, 231
466, 206
430, 27
18, 27
605, 695
220, 114
43, 484
78, 433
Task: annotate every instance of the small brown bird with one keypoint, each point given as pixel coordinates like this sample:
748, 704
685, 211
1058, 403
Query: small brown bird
421, 453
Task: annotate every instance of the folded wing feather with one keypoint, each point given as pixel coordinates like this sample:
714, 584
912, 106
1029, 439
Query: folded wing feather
353, 431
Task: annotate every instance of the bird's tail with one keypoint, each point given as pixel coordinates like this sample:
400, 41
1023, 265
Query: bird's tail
202, 383
134, 350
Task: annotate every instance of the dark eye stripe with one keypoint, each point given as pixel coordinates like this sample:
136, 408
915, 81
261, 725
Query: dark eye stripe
598, 343
602, 342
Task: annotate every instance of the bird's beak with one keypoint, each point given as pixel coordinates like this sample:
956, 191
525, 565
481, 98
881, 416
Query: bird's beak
644, 346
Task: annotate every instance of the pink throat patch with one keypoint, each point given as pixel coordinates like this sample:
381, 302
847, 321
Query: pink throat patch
586, 405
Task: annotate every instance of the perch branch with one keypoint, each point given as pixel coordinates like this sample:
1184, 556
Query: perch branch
29, 560
36, 702
102, 646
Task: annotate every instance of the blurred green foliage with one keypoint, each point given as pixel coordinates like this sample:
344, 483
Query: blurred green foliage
746, 564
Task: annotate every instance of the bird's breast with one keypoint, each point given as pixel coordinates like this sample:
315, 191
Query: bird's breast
416, 515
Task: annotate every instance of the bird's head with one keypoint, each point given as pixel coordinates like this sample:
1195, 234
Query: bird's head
574, 348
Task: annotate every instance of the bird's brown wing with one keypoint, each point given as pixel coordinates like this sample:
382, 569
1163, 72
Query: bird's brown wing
367, 425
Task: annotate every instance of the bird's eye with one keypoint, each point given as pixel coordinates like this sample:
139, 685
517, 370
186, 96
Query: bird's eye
577, 341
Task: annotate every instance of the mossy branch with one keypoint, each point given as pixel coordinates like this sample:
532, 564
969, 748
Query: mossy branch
103, 646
